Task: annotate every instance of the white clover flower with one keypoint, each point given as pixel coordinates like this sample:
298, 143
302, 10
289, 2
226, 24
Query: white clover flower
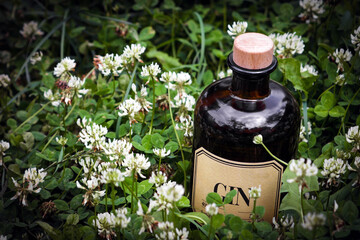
66, 65
313, 220
258, 139
185, 103
182, 234
212, 209
3, 147
105, 224
168, 77
53, 98
117, 149
161, 152
88, 163
302, 135
342, 154
36, 57
237, 28
4, 80
288, 44
221, 75
313, 8
129, 108
342, 56
62, 140
91, 196
166, 196
147, 219
166, 231
135, 163
145, 104
309, 68
75, 82
31, 179
112, 176
30, 30
93, 135
340, 80
333, 168
2, 237
121, 220
284, 222
302, 169
255, 192
158, 178
151, 70
110, 64
357, 162
187, 125
353, 136
182, 79
131, 53
355, 39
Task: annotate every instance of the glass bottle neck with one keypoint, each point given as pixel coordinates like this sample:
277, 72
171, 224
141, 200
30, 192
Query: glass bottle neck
248, 83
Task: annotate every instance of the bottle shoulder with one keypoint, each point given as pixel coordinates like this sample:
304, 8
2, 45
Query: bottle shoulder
218, 107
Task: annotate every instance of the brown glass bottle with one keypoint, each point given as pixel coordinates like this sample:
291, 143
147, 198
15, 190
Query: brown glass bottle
228, 114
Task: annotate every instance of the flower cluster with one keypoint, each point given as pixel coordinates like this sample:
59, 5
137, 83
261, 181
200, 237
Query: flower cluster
110, 64
341, 56
3, 147
134, 163
117, 149
313, 220
129, 108
92, 134
4, 80
151, 70
161, 152
353, 137
107, 222
132, 52
212, 209
222, 74
185, 103
31, 179
187, 125
167, 231
166, 196
340, 80
64, 67
145, 104
237, 28
302, 136
313, 8
333, 168
255, 192
309, 68
285, 222
31, 30
178, 81
355, 39
36, 57
302, 169
288, 44
158, 178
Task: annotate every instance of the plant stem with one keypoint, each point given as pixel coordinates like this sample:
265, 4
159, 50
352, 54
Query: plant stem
113, 196
31, 117
276, 158
177, 138
302, 204
132, 194
106, 197
159, 164
210, 227
153, 105
346, 110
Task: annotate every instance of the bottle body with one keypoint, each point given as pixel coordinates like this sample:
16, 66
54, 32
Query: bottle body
228, 114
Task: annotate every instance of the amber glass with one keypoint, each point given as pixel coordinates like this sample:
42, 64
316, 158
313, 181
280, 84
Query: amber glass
231, 111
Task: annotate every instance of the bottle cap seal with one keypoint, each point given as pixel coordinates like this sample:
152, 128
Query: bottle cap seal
253, 51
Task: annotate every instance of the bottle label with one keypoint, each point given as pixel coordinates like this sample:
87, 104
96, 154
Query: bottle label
215, 174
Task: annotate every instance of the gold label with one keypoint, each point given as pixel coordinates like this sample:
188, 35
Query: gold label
216, 174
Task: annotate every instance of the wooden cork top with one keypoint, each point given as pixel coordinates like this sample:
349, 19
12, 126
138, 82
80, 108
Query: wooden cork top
253, 51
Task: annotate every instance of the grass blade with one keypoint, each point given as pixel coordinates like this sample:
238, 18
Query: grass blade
202, 50
63, 35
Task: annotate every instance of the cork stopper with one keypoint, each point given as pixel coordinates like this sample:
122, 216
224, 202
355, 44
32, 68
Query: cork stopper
253, 51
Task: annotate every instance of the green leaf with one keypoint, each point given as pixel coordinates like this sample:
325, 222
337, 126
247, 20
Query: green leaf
328, 100
76, 201
138, 146
167, 61
72, 219
198, 216
214, 198
263, 228
337, 111
52, 232
229, 196
184, 202
61, 205
143, 187
321, 111
291, 69
260, 211
172, 146
146, 142
11, 123
236, 223
146, 33
45, 194
157, 140
350, 212
217, 220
